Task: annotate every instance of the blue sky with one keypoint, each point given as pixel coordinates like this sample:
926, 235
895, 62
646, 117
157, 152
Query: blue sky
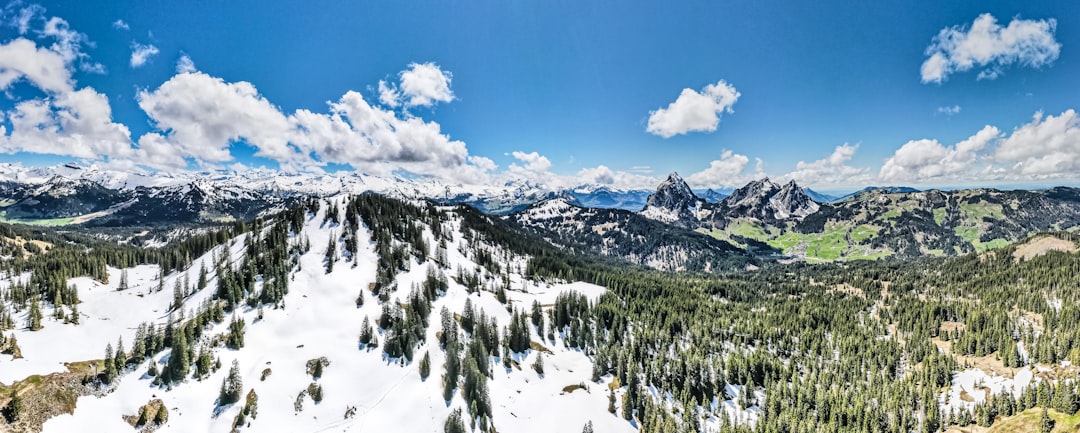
836, 86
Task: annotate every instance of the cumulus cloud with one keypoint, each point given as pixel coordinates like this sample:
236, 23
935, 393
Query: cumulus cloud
928, 160
120, 25
185, 65
64, 122
693, 111
986, 44
140, 54
831, 170
424, 84
1047, 147
724, 172
44, 68
204, 115
534, 162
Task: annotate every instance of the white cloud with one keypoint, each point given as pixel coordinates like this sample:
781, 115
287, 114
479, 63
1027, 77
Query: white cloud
693, 111
21, 18
724, 172
185, 65
987, 44
949, 111
929, 160
1047, 147
831, 170
120, 25
424, 84
602, 175
388, 95
44, 68
534, 162
69, 44
140, 54
204, 115
65, 121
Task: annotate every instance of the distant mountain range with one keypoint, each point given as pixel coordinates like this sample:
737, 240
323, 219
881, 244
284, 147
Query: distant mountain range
672, 227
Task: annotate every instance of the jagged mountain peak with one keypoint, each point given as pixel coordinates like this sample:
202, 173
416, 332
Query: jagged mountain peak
792, 201
753, 192
672, 193
673, 202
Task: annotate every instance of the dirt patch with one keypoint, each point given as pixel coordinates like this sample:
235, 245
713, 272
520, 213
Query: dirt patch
44, 397
571, 388
1043, 245
151, 415
847, 288
989, 364
948, 326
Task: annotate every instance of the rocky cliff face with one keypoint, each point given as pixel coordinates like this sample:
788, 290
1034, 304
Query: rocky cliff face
674, 203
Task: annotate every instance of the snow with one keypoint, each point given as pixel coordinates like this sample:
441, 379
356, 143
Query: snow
549, 209
105, 315
320, 318
975, 384
660, 214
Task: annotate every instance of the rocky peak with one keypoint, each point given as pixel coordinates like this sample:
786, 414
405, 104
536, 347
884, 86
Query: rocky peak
792, 201
672, 194
673, 202
755, 193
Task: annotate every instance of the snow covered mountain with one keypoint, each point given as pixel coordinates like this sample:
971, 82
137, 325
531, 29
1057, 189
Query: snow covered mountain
630, 236
278, 329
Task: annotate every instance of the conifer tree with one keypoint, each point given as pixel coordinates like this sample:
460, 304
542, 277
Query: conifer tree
202, 278
425, 366
179, 360
454, 423
231, 386
110, 366
1046, 424
33, 320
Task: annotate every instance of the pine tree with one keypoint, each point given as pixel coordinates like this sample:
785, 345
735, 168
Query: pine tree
453, 423
179, 360
202, 278
33, 320
588, 427
331, 253
537, 315
14, 408
203, 363
110, 366
231, 386
123, 281
120, 359
538, 365
235, 338
1046, 424
425, 366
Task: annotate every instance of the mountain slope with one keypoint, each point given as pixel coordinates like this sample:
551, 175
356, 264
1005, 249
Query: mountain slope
630, 236
361, 387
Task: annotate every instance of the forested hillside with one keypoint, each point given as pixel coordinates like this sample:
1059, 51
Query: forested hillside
478, 325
